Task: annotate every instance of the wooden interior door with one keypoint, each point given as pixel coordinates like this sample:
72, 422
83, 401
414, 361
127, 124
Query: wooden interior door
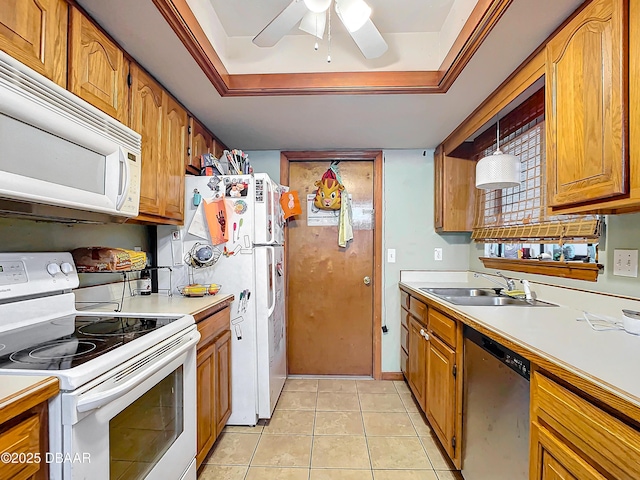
330, 308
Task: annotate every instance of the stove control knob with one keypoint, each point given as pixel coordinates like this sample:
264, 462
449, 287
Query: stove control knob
66, 268
53, 269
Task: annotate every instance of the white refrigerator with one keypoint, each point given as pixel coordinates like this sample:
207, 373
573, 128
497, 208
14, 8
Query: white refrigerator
252, 270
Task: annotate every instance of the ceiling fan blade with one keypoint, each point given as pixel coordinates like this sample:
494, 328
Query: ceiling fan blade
281, 25
369, 40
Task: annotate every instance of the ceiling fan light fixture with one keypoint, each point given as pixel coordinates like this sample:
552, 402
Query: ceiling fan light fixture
353, 13
314, 23
317, 6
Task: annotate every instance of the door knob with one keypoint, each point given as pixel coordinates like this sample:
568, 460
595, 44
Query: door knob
367, 280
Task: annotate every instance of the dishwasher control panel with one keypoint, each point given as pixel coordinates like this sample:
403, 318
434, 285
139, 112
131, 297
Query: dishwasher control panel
511, 359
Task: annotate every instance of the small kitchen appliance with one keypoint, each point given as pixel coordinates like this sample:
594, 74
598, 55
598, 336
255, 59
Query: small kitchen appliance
127, 396
252, 269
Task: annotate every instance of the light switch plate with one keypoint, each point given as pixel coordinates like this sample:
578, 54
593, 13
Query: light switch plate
391, 255
625, 263
437, 254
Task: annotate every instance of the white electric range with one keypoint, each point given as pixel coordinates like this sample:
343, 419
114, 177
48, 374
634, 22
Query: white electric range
127, 404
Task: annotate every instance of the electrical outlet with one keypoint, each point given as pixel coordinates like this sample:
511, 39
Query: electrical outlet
437, 254
137, 249
625, 263
391, 255
175, 235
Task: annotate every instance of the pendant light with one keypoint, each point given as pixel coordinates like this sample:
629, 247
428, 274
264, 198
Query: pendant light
317, 6
499, 170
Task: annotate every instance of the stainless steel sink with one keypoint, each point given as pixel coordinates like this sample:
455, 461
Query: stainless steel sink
461, 292
495, 301
487, 297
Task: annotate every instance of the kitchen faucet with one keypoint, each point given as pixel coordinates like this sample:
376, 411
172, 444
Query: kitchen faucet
509, 284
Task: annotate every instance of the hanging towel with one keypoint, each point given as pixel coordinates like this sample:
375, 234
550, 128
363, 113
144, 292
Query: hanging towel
345, 224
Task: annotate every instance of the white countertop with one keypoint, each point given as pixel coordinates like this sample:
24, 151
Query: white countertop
608, 359
12, 385
160, 303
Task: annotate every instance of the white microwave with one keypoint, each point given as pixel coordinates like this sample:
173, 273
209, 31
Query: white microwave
60, 157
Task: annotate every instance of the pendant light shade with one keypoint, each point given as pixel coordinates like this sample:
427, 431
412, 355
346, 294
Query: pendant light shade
317, 6
497, 171
353, 13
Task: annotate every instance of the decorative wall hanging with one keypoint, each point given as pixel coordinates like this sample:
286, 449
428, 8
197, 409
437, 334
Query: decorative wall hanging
290, 203
216, 216
329, 191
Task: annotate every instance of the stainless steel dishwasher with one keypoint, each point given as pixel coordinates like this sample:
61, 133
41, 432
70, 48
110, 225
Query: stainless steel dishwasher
496, 411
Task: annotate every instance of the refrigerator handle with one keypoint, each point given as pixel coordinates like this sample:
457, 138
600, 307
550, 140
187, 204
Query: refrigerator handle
272, 201
272, 306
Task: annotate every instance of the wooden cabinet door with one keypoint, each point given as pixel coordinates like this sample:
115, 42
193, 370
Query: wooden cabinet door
174, 157
218, 149
417, 368
35, 32
551, 459
201, 142
586, 79
441, 392
438, 190
147, 119
205, 401
223, 380
98, 70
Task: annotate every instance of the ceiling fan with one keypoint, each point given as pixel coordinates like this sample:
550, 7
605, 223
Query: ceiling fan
312, 16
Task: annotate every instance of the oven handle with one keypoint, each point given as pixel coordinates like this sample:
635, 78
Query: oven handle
100, 399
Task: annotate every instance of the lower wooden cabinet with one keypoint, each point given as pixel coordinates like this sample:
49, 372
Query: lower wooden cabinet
433, 369
441, 392
574, 438
213, 380
418, 358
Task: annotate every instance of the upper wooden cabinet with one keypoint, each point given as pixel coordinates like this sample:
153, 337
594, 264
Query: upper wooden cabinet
454, 193
174, 157
200, 142
586, 80
98, 70
35, 32
147, 119
162, 122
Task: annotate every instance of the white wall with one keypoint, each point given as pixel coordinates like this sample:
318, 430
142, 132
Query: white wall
18, 235
407, 227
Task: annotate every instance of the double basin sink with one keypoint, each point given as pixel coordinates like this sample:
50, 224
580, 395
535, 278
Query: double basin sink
488, 297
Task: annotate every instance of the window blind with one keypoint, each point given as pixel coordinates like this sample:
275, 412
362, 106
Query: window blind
520, 213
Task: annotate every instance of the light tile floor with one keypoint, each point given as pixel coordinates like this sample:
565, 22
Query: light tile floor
331, 429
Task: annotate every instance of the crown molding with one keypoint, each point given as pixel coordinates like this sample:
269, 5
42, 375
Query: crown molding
483, 18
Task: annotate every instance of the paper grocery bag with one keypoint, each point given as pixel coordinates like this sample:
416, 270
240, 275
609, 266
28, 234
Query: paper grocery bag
216, 215
290, 204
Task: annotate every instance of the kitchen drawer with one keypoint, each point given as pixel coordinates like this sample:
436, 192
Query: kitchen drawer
418, 309
404, 300
22, 441
603, 439
404, 318
443, 327
404, 338
212, 326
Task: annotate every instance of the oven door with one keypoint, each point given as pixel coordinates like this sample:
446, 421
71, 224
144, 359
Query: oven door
137, 421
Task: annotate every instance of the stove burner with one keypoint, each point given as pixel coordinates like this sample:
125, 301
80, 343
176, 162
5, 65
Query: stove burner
119, 326
54, 351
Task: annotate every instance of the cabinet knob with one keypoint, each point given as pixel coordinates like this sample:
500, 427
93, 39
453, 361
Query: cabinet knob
424, 334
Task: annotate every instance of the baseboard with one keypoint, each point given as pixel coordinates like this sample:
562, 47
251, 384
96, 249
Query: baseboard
392, 376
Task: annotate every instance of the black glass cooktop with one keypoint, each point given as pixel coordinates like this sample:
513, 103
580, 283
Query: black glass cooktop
70, 341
